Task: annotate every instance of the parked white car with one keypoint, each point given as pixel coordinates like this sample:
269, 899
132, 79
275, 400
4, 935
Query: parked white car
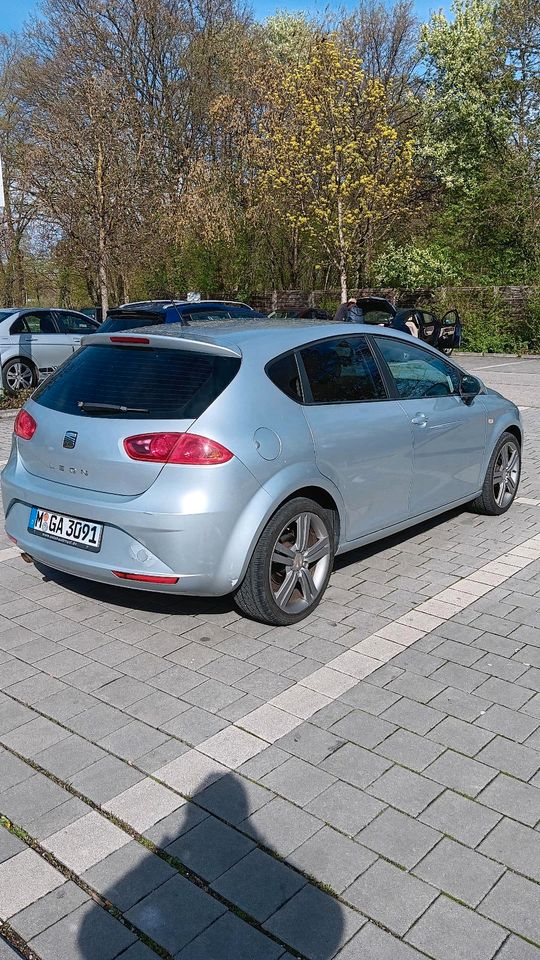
35, 341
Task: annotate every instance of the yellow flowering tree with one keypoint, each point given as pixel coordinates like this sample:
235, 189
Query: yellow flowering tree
332, 165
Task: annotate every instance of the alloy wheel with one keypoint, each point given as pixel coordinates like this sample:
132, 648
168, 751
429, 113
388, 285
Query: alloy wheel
19, 376
506, 474
299, 563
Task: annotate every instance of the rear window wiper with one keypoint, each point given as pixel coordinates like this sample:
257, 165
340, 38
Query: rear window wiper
87, 406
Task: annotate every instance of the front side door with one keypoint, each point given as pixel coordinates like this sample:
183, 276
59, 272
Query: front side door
43, 341
75, 326
362, 439
448, 435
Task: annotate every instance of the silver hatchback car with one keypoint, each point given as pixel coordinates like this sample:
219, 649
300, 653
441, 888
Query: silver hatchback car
242, 457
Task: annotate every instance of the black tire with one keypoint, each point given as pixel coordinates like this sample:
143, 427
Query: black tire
27, 372
266, 575
448, 351
493, 501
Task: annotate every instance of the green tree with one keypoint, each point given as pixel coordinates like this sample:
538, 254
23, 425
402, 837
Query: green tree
332, 163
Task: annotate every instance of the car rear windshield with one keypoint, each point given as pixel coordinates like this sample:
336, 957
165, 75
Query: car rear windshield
147, 382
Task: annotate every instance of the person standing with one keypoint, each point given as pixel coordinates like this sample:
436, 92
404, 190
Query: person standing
342, 312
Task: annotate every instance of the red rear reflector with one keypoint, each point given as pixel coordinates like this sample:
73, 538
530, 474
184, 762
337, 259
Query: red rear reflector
8, 535
186, 448
144, 577
129, 339
25, 426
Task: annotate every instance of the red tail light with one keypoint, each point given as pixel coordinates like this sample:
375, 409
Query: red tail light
186, 448
144, 577
25, 426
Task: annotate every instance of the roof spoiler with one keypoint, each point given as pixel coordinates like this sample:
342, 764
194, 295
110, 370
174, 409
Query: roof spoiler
177, 341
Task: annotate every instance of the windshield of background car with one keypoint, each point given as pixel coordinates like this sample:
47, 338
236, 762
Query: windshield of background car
4, 314
153, 381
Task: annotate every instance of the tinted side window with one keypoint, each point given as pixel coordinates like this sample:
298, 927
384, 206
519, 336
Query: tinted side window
40, 322
18, 327
74, 323
284, 373
342, 370
417, 373
159, 383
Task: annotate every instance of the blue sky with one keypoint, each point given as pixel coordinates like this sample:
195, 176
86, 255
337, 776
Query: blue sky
14, 12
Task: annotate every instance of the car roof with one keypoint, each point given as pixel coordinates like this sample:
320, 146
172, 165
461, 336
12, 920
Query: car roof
163, 304
41, 310
266, 338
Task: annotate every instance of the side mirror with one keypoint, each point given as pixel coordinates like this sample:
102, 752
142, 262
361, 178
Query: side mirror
469, 388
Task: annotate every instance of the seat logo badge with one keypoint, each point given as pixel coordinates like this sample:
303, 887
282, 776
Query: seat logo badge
70, 440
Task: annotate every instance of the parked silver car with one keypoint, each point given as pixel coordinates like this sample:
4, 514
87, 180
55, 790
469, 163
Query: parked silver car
243, 456
34, 342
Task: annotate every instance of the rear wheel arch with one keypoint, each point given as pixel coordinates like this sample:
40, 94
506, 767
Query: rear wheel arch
324, 499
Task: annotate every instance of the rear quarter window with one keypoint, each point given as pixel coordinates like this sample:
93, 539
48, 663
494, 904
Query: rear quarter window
157, 382
283, 372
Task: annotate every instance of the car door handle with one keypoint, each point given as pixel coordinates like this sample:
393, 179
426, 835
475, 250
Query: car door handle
420, 420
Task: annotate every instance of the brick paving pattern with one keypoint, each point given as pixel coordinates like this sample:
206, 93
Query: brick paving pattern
178, 781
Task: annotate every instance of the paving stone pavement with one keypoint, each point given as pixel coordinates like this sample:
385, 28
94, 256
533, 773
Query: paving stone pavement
178, 781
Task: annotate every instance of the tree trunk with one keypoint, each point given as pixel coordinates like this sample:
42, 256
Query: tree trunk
20, 280
102, 236
343, 284
102, 274
342, 254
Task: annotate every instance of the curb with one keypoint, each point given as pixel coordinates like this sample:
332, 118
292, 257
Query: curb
504, 356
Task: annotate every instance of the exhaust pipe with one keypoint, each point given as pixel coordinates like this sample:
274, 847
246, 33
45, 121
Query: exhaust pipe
27, 558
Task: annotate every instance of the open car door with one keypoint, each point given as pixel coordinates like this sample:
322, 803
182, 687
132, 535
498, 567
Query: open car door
450, 333
418, 323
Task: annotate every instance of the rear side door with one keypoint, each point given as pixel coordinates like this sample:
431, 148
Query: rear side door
449, 435
43, 342
362, 438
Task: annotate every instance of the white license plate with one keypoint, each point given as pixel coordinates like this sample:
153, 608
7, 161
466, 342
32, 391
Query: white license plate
56, 526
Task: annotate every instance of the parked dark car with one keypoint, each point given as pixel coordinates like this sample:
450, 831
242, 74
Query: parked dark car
142, 314
443, 333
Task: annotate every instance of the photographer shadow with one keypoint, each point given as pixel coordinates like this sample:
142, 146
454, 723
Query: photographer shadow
215, 894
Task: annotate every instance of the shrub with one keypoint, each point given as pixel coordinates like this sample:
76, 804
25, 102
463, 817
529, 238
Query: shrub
488, 326
411, 267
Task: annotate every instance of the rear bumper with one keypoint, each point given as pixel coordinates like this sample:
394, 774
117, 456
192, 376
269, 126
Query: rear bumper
204, 538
